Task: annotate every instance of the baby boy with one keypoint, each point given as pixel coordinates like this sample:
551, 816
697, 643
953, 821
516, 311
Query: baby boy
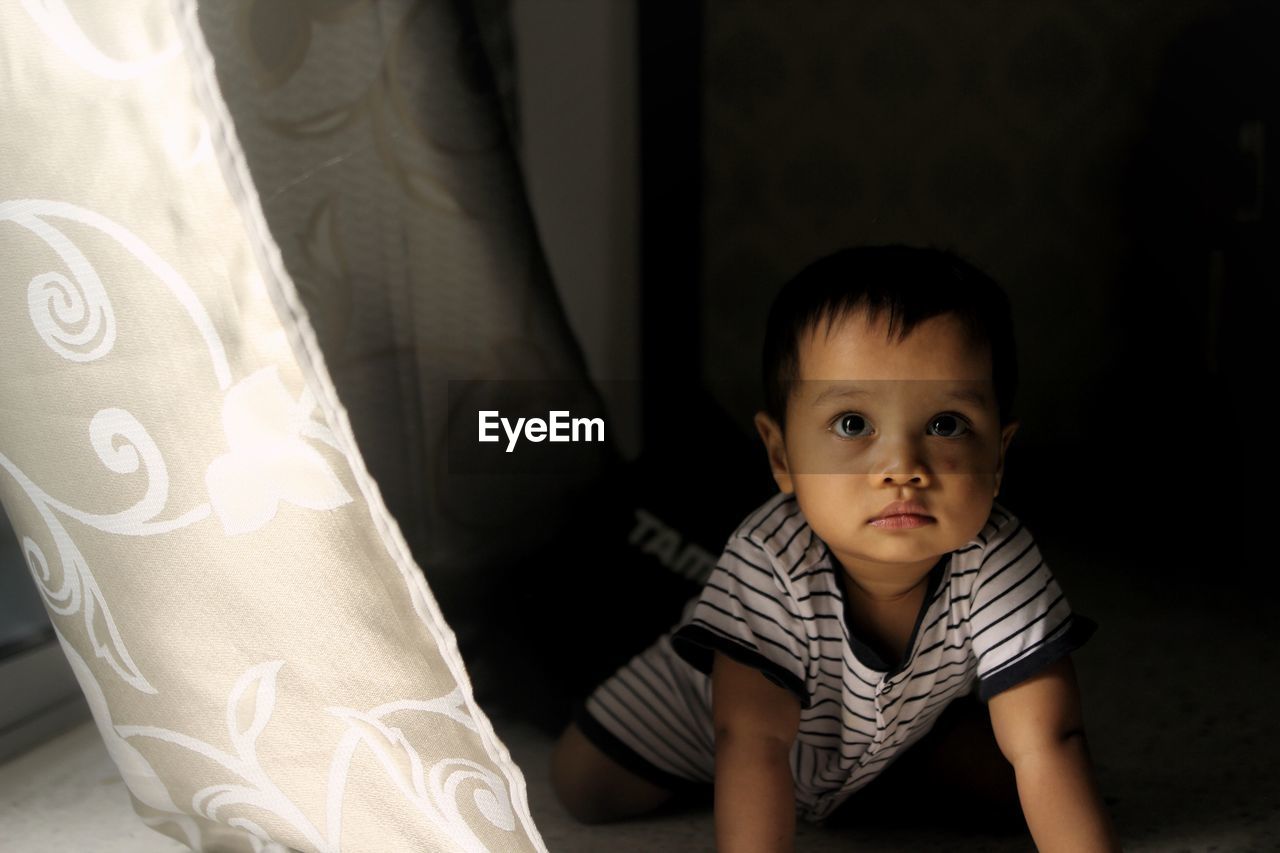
881, 583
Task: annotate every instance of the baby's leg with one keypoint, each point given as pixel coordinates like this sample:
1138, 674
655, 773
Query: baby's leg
968, 774
955, 775
593, 787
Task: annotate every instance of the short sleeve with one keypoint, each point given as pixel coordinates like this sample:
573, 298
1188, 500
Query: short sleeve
1019, 618
745, 611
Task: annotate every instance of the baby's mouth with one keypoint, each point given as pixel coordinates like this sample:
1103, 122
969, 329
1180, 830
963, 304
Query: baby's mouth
904, 508
902, 521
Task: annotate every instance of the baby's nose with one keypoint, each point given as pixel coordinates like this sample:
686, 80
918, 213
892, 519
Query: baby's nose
902, 460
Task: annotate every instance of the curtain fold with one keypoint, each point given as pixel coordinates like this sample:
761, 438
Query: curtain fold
380, 143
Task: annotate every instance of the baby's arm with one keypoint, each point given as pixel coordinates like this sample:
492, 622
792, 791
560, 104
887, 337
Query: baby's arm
1040, 729
755, 723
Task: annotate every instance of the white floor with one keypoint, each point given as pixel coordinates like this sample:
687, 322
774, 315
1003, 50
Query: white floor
65, 795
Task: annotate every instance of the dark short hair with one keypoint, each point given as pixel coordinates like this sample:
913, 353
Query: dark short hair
912, 285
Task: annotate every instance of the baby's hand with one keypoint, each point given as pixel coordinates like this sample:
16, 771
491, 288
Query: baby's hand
756, 723
1040, 729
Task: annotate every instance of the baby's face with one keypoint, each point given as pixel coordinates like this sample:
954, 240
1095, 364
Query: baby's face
874, 421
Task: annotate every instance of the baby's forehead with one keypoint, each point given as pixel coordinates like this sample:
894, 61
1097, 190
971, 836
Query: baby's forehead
854, 348
819, 394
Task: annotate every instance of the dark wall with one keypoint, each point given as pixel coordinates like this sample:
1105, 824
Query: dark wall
1097, 158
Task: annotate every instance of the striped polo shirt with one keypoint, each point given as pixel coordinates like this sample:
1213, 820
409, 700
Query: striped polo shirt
992, 616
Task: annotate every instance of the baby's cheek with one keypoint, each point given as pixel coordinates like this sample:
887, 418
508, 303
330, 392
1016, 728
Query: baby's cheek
963, 461
952, 464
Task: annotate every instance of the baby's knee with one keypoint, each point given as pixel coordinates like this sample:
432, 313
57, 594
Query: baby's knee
570, 779
571, 772
594, 789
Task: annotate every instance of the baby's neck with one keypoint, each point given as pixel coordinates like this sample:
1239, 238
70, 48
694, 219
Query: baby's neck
883, 613
888, 592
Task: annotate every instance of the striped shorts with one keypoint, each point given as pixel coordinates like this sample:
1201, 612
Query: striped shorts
653, 717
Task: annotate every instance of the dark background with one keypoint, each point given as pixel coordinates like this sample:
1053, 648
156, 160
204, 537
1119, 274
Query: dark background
1106, 162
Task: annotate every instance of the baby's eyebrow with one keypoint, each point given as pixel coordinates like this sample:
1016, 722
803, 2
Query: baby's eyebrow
833, 392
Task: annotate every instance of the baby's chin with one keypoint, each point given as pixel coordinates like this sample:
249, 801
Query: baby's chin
899, 547
906, 545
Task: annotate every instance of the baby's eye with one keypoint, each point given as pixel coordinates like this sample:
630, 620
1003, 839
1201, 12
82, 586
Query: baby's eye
850, 425
950, 426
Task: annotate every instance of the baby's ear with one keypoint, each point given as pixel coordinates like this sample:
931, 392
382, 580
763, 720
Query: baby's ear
1006, 436
775, 446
